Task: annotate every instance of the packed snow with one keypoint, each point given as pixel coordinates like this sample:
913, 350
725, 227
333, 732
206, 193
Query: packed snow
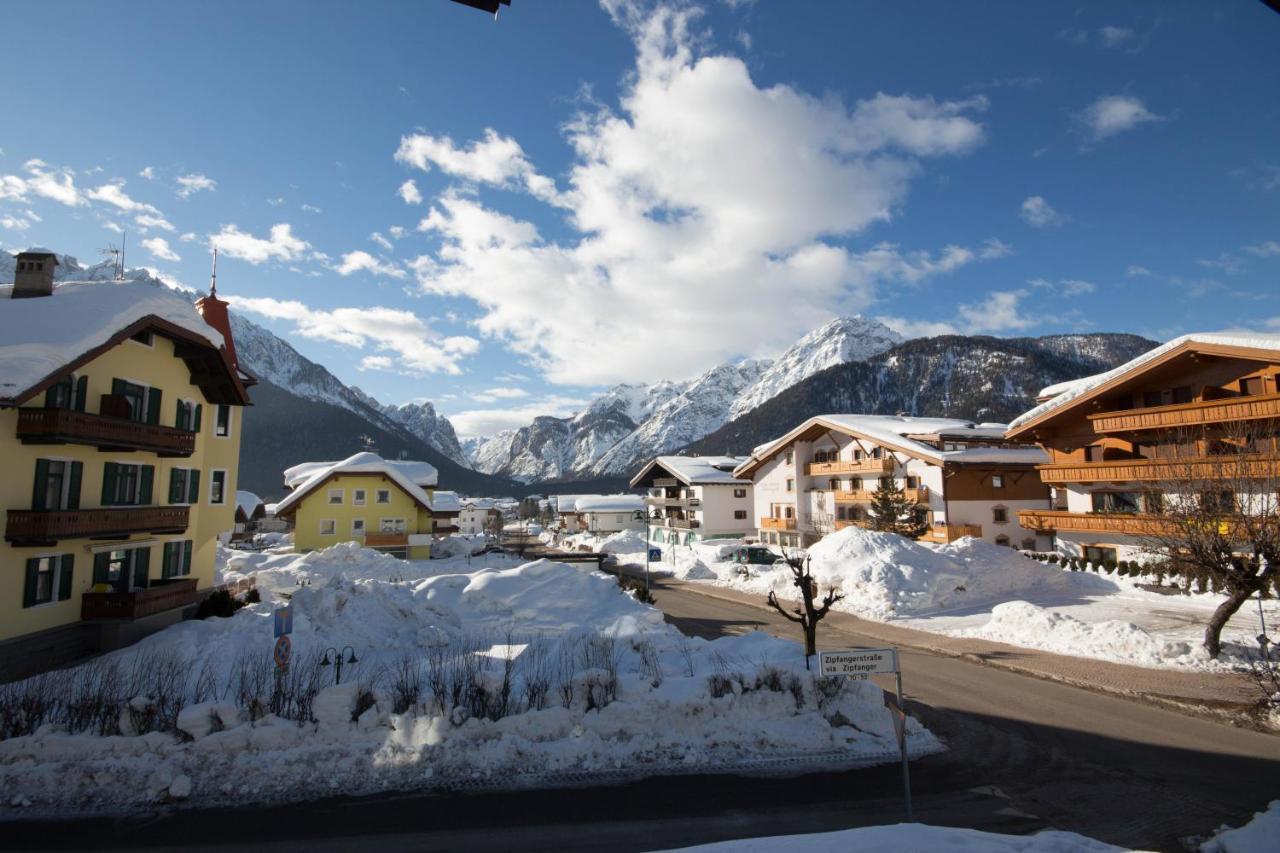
1260, 835
911, 838
505, 676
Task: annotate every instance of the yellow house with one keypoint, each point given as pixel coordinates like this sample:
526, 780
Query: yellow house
389, 505
120, 408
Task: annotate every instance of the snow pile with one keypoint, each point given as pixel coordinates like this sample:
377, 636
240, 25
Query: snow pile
1259, 835
458, 545
1021, 623
914, 837
501, 677
622, 542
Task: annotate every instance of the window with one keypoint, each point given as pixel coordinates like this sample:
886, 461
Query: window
57, 484
188, 416
335, 496
122, 570
1029, 544
328, 527
358, 497
619, 519
144, 337
124, 484
383, 496
1097, 554
739, 514
739, 493
1251, 386
141, 404
48, 579
997, 481
222, 426
184, 485
833, 484
914, 482
788, 457
1218, 501
1002, 540
391, 525
357, 527
1185, 394
218, 487
1116, 502
176, 559
791, 485
1000, 515
1094, 453
67, 393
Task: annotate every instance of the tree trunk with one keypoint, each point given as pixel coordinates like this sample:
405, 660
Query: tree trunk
810, 640
1227, 609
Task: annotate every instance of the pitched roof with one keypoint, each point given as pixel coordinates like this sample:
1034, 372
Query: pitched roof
697, 470
247, 502
607, 503
360, 463
1065, 393
418, 473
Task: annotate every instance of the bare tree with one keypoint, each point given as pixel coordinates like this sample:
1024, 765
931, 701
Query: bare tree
808, 613
1215, 511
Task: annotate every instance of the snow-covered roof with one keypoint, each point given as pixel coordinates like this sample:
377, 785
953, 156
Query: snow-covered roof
418, 473
360, 463
247, 502
445, 502
699, 470
608, 503
41, 334
478, 503
904, 433
1065, 392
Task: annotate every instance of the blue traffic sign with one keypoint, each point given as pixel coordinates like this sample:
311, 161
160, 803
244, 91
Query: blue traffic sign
283, 620
655, 554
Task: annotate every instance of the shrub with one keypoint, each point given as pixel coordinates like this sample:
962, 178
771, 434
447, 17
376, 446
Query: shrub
637, 590
1053, 559
219, 603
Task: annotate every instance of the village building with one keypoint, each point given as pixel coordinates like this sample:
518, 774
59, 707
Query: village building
965, 478
388, 505
479, 516
250, 511
1198, 414
694, 498
120, 415
600, 514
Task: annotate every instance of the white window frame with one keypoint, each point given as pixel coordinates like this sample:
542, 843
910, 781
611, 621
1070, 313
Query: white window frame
340, 494
56, 581
790, 484
217, 408
397, 525
997, 481
66, 478
378, 496
333, 526
146, 395
357, 527
359, 497
213, 478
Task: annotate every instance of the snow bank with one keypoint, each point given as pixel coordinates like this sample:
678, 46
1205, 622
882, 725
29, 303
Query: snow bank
912, 837
1260, 835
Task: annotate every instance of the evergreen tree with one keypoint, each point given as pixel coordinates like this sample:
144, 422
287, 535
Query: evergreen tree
892, 512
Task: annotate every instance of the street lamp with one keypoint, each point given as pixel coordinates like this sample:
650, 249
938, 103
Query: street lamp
337, 661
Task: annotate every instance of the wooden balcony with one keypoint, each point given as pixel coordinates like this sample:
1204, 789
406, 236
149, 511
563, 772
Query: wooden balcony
386, 540
861, 466
1047, 521
164, 595
39, 526
683, 523
1169, 470
862, 496
842, 523
63, 426
771, 523
1183, 415
944, 533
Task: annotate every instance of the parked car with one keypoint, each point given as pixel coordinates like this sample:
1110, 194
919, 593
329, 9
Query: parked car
756, 555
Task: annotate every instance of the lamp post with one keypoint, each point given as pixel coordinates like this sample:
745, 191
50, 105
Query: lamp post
337, 661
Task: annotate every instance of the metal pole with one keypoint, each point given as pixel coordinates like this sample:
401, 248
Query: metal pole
906, 771
648, 552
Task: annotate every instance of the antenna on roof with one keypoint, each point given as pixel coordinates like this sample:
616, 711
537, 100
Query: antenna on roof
124, 241
213, 279
115, 258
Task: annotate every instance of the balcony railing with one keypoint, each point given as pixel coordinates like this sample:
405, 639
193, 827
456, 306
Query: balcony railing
1191, 469
1188, 414
386, 540
860, 466
683, 523
672, 500
165, 595
771, 523
1092, 522
63, 426
856, 496
33, 526
951, 532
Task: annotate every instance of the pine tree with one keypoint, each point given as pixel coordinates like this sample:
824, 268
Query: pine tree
892, 512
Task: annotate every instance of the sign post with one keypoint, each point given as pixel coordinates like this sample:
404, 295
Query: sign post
861, 664
282, 622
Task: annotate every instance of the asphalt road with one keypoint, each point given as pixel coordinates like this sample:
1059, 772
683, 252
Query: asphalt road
1024, 754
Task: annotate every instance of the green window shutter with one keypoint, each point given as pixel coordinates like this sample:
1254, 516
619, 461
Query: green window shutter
179, 416
64, 576
199, 411
166, 565
73, 485
153, 405
146, 476
175, 487
109, 474
186, 557
141, 566
42, 477
49, 395
193, 486
118, 386
82, 392
29, 590
101, 568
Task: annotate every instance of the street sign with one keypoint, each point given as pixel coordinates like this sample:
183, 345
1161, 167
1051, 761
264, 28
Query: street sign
858, 663
283, 651
655, 553
282, 618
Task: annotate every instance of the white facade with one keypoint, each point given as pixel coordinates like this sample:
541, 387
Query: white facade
694, 498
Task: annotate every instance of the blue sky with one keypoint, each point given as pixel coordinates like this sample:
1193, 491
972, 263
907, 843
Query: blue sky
630, 191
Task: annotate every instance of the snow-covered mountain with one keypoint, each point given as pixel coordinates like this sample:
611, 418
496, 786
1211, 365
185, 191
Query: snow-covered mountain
421, 420
842, 340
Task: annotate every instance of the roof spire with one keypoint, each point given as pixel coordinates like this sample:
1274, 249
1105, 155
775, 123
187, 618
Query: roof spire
213, 280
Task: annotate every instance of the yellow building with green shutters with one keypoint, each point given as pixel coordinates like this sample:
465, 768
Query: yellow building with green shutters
120, 413
389, 505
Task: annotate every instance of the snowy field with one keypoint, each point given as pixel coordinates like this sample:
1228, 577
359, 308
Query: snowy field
505, 676
970, 588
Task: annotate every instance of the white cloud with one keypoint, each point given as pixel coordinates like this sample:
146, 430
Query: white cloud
147, 220
188, 237
491, 395
51, 182
700, 189
1038, 213
359, 261
382, 241
281, 245
999, 312
1136, 271
14, 223
115, 195
409, 192
159, 247
1115, 37
473, 422
1264, 249
397, 334
376, 362
396, 231
913, 328
1264, 177
148, 172
1112, 114
1077, 287
275, 202
310, 208
193, 183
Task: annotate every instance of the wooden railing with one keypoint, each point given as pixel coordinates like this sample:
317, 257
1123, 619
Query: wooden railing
1091, 522
861, 466
1198, 468
165, 595
64, 426
771, 523
386, 540
684, 523
53, 525
849, 496
952, 532
1188, 414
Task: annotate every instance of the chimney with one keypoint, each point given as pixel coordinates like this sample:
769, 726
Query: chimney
34, 274
214, 312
